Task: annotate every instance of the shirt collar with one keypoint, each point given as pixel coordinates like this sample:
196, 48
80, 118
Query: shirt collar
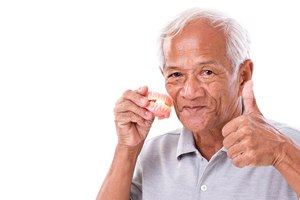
223, 149
186, 143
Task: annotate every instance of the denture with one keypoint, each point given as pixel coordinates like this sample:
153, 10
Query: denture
160, 104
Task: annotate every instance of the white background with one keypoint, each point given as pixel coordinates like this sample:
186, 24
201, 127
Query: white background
63, 65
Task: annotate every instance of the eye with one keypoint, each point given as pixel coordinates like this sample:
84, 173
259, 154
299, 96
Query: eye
175, 75
207, 72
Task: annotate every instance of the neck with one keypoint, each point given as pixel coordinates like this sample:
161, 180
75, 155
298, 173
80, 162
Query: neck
209, 141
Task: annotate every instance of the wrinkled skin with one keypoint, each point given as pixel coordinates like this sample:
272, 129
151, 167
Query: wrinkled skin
200, 79
207, 94
133, 121
211, 99
250, 140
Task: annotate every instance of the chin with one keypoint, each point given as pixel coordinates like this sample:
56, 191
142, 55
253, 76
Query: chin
195, 124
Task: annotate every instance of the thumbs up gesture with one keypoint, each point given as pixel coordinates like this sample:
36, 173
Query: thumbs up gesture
249, 139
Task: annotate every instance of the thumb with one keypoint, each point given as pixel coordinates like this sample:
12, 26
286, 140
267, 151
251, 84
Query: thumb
250, 106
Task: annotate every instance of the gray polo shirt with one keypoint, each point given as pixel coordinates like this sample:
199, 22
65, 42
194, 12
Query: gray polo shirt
170, 167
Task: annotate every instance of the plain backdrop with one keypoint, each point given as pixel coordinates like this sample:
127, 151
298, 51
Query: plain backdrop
64, 64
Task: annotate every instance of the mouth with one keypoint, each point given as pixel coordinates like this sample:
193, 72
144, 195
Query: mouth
192, 109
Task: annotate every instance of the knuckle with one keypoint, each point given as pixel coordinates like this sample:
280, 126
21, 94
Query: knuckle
127, 93
141, 111
230, 153
247, 130
119, 103
237, 163
140, 120
250, 142
124, 106
245, 121
134, 117
131, 116
246, 142
116, 108
120, 117
225, 142
252, 157
224, 129
242, 119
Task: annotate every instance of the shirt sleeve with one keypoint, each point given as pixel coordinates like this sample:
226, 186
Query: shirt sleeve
292, 133
136, 183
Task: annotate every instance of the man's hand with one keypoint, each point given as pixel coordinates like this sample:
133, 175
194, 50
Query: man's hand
132, 120
249, 139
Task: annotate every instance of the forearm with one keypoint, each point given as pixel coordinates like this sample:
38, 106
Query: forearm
289, 166
118, 180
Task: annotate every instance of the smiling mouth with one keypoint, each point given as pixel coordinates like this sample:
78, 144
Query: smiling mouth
192, 109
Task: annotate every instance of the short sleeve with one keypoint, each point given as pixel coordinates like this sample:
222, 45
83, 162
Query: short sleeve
287, 130
136, 183
294, 134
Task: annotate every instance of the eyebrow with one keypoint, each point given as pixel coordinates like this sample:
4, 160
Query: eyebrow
207, 62
198, 64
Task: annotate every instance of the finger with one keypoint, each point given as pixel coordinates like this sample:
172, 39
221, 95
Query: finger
233, 125
236, 150
240, 160
137, 98
143, 90
250, 105
232, 139
129, 117
128, 105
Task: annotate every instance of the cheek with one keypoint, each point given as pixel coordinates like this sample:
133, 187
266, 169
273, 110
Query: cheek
172, 90
215, 90
220, 93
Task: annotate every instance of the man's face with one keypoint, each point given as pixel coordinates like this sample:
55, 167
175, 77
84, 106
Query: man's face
199, 77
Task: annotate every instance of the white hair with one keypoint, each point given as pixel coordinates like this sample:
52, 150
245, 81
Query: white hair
237, 40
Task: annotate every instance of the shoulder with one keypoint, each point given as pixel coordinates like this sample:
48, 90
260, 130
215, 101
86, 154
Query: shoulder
164, 139
287, 130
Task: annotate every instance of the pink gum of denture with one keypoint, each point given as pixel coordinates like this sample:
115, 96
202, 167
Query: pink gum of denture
160, 104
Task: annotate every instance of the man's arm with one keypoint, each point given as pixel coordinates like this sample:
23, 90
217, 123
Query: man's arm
133, 123
289, 165
118, 180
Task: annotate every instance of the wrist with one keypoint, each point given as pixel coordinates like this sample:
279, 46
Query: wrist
282, 157
130, 152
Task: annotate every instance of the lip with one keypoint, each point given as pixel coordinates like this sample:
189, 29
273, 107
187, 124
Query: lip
192, 109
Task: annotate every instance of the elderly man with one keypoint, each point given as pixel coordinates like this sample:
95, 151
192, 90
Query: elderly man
226, 149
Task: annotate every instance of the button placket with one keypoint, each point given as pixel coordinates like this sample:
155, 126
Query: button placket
202, 182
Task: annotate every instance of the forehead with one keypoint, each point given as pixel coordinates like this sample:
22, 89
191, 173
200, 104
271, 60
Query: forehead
197, 42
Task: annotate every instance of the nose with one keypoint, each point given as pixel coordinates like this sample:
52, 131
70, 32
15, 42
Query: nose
192, 89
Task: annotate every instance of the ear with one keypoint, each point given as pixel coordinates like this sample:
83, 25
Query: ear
244, 74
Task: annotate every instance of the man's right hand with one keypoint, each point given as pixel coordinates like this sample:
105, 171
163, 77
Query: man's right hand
132, 119
133, 122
